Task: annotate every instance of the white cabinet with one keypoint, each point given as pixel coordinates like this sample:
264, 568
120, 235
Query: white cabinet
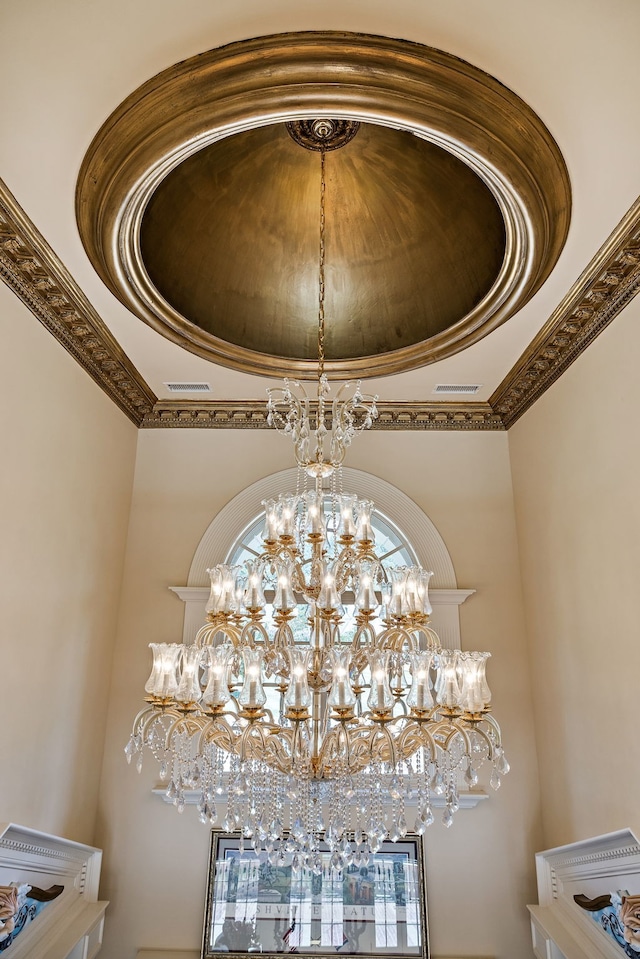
69, 927
560, 929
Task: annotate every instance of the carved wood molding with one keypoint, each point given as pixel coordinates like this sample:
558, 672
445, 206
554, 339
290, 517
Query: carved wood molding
37, 276
252, 414
606, 286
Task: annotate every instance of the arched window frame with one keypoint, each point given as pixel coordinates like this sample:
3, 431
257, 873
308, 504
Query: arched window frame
227, 528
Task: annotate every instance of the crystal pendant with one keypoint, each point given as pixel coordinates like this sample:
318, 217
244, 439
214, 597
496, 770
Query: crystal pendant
502, 765
471, 776
171, 792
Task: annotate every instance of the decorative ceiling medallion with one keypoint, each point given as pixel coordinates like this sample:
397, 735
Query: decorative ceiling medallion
323, 133
408, 294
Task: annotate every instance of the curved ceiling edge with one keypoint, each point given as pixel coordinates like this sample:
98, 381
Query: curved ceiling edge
266, 80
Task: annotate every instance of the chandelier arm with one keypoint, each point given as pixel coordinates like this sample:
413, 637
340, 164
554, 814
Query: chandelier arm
409, 739
218, 731
210, 631
175, 725
150, 708
361, 747
427, 737
367, 630
433, 640
259, 729
297, 747
275, 753
488, 718
248, 630
392, 746
329, 750
379, 740
394, 638
159, 714
202, 636
457, 730
491, 745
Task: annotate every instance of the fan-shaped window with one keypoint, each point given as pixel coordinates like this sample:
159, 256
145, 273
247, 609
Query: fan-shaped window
392, 546
235, 535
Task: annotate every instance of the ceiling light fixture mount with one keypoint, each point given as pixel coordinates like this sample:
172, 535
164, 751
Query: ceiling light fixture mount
323, 133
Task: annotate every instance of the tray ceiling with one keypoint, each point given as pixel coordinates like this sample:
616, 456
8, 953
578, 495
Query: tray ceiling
581, 84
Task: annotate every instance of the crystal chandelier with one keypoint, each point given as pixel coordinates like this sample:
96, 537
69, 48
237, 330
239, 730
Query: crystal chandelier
366, 711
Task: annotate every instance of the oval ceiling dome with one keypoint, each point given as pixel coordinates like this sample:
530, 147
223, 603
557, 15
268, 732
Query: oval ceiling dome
446, 205
414, 240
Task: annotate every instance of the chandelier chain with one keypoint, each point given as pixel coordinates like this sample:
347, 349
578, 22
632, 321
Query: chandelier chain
321, 272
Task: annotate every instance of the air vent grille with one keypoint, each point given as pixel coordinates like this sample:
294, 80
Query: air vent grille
457, 388
188, 387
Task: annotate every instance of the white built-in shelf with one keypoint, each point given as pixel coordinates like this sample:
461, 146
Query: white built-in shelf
70, 926
593, 867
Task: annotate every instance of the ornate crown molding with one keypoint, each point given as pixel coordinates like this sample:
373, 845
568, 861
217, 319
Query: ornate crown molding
606, 286
232, 90
252, 415
32, 270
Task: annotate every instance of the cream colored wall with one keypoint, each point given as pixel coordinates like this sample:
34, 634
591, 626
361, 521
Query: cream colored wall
576, 460
155, 859
65, 486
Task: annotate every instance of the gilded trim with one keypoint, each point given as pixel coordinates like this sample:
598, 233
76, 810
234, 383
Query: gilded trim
295, 76
252, 414
606, 286
37, 276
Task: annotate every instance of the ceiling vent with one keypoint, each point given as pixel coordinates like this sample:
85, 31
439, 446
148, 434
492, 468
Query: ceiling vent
457, 388
188, 387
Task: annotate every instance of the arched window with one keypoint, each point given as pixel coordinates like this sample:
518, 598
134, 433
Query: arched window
392, 546
235, 535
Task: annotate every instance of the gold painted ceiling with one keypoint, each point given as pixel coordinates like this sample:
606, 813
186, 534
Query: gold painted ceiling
414, 241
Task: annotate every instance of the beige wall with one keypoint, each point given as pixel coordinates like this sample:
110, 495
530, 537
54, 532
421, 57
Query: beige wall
155, 860
576, 461
65, 486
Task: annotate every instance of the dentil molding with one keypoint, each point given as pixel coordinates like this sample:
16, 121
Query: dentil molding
252, 414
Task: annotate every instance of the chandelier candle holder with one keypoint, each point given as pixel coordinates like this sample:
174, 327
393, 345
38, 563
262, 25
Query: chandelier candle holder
331, 727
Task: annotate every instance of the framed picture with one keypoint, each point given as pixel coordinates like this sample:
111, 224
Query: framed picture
370, 911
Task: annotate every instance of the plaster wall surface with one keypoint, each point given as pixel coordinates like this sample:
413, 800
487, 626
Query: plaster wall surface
155, 859
65, 488
576, 459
